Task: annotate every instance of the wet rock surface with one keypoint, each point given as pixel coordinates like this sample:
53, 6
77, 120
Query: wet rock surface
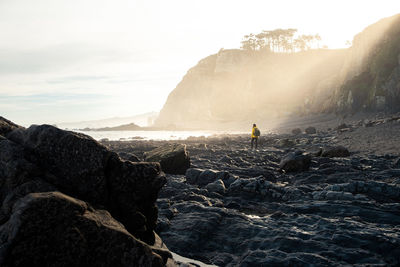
66, 200
234, 207
53, 229
173, 158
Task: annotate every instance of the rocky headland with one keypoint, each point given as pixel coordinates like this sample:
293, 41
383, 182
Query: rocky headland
124, 127
237, 87
314, 196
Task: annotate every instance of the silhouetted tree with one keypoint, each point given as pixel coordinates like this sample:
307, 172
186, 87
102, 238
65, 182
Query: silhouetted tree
249, 42
300, 44
280, 40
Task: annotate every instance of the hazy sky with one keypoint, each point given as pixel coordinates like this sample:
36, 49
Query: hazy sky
73, 60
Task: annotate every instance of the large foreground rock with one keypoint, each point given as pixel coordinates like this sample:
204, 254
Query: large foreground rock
79, 166
52, 229
46, 159
174, 158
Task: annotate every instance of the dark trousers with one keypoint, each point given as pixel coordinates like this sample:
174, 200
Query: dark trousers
254, 139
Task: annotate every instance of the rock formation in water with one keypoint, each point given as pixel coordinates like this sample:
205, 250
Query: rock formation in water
68, 201
125, 127
238, 85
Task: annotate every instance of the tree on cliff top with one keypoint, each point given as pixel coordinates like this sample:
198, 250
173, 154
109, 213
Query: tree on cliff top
279, 40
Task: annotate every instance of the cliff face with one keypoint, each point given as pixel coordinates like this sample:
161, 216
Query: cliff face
370, 77
238, 86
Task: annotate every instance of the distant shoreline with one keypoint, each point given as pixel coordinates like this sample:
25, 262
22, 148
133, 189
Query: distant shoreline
132, 127
267, 125
110, 129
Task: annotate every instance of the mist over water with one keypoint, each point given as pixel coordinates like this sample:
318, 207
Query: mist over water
150, 135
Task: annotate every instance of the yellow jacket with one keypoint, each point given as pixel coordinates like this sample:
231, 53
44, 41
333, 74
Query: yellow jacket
253, 133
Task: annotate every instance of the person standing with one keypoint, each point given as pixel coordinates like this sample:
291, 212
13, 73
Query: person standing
255, 133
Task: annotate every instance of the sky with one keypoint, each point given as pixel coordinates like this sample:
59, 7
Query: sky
77, 60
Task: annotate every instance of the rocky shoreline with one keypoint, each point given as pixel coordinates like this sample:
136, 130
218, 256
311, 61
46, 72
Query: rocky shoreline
240, 207
325, 196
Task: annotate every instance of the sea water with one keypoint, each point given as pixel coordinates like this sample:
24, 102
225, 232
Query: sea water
147, 135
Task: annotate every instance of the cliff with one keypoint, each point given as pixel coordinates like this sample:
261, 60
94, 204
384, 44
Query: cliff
370, 77
235, 86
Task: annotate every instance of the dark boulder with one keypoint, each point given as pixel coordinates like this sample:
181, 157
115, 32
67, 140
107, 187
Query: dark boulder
52, 229
14, 167
204, 177
192, 175
79, 166
217, 186
17, 192
173, 158
295, 162
133, 190
15, 171
311, 130
77, 163
336, 151
296, 131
